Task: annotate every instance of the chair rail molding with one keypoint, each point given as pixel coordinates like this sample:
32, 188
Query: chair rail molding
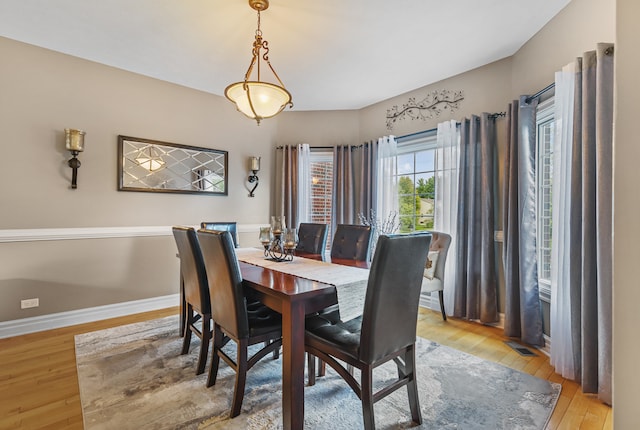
75, 233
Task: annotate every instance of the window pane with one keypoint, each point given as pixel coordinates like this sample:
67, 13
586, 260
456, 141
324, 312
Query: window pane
425, 222
426, 185
544, 179
407, 224
424, 161
405, 163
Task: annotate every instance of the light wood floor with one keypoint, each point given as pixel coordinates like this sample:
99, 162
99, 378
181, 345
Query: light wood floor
39, 383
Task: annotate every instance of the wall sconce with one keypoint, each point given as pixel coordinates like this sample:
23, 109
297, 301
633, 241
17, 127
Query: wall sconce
254, 166
74, 140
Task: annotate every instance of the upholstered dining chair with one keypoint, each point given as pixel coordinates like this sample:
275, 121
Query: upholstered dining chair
433, 277
351, 242
385, 331
196, 293
312, 238
233, 319
231, 227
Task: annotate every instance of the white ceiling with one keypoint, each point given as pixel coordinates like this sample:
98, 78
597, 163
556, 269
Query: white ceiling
330, 54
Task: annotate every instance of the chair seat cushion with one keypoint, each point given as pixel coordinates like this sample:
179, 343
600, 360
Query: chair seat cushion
431, 285
262, 319
344, 335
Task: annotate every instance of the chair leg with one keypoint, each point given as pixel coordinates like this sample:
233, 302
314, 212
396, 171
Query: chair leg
322, 368
183, 307
218, 338
412, 386
441, 296
311, 369
367, 398
187, 330
241, 377
204, 345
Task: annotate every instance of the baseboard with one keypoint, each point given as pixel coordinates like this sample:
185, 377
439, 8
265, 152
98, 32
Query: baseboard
81, 316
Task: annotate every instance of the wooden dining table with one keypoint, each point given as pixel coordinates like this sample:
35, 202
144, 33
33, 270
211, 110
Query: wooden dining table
294, 297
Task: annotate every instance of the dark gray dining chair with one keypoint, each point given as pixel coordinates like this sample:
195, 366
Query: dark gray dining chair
231, 227
351, 242
235, 316
385, 331
312, 238
195, 293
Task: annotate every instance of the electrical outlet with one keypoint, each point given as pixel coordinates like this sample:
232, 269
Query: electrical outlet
29, 303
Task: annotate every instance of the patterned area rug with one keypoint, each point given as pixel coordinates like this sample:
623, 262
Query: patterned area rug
133, 377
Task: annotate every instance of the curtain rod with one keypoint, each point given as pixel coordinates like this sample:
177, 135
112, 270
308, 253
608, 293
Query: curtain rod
417, 133
314, 147
539, 93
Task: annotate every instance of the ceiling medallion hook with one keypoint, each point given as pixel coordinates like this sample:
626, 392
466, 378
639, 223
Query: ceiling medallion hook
259, 4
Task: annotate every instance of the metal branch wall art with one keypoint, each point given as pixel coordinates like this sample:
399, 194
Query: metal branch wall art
431, 106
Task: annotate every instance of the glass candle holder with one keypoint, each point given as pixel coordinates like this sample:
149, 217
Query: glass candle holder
278, 225
291, 239
266, 236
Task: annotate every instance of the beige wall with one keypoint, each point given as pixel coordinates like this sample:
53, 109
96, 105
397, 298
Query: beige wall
41, 93
626, 318
484, 91
318, 128
44, 92
576, 29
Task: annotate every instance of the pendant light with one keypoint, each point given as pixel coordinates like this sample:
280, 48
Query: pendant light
259, 99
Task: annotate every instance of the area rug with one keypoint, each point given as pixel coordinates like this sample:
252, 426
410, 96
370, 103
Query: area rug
133, 377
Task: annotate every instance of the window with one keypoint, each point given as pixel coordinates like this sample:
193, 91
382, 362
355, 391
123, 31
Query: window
545, 129
321, 166
416, 176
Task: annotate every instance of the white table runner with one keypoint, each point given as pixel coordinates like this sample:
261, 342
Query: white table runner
350, 282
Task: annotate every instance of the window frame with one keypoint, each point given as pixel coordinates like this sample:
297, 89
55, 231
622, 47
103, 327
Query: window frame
412, 144
545, 114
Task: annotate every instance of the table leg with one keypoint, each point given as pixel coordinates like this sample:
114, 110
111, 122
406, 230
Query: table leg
293, 365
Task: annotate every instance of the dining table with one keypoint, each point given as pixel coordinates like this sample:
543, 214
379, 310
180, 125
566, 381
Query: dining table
295, 289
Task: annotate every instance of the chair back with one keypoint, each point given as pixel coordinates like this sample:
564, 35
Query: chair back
351, 242
440, 242
393, 293
194, 276
231, 227
228, 307
312, 238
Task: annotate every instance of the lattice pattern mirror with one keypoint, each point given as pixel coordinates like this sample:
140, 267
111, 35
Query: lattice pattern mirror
150, 165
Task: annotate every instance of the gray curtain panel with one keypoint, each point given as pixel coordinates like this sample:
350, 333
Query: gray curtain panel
592, 154
366, 171
523, 317
476, 295
344, 198
287, 184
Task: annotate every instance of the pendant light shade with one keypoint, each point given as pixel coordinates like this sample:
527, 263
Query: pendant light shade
258, 100
255, 98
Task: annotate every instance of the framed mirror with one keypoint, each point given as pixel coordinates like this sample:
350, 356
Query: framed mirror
163, 167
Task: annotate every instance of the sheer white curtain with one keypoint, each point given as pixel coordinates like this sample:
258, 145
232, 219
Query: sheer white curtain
304, 181
387, 190
446, 201
562, 351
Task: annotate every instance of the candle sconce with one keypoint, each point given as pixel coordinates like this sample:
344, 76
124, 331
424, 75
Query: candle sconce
278, 241
254, 166
74, 141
